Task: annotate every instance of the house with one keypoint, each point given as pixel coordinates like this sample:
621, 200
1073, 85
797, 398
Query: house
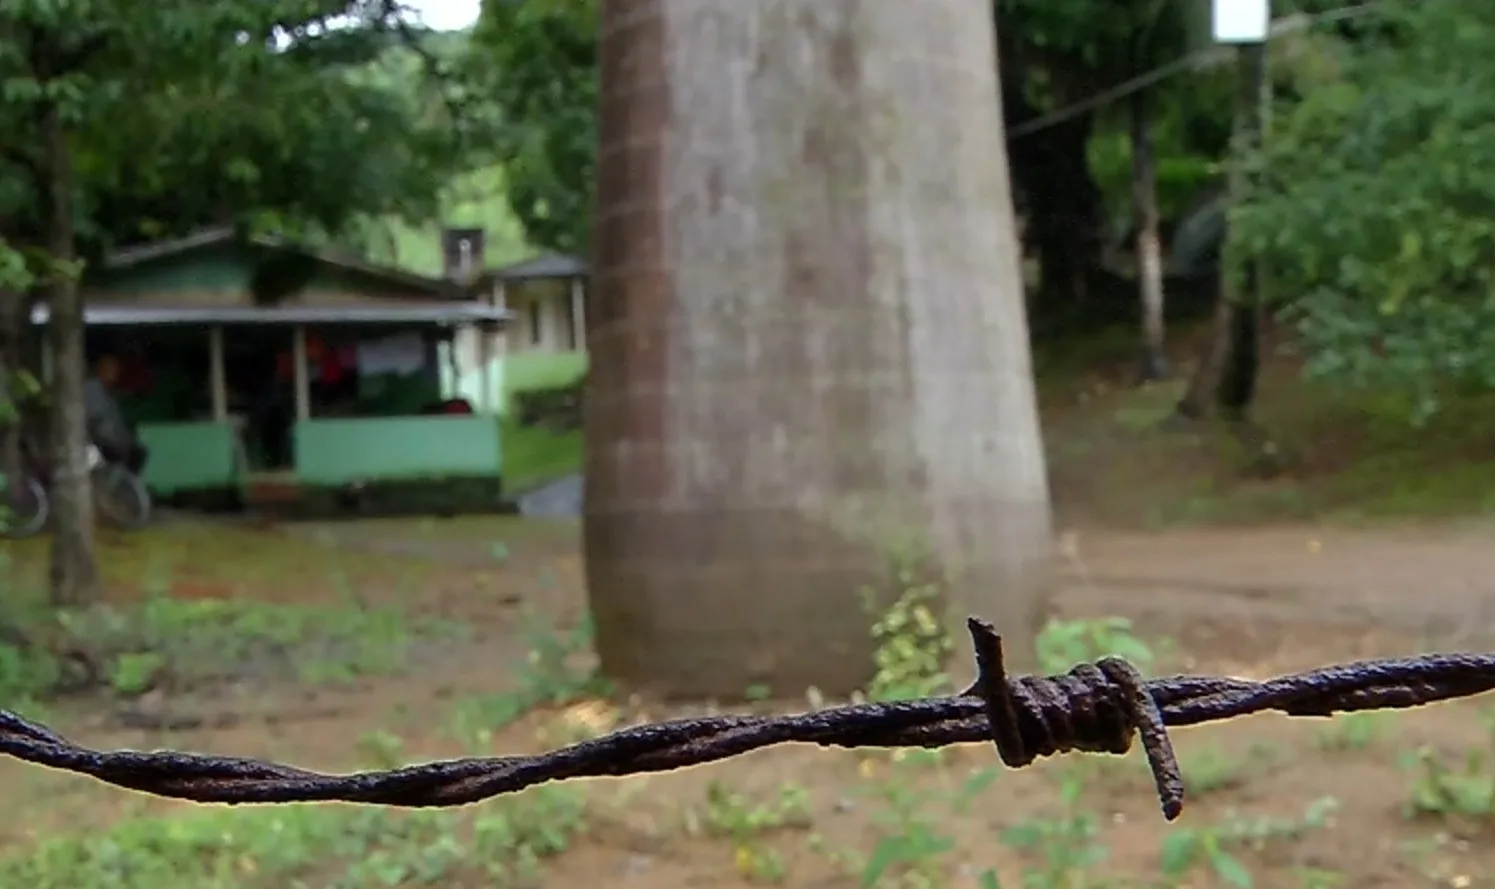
545, 343
260, 368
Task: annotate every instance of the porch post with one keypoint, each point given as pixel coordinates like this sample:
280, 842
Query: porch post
578, 315
495, 345
299, 374
485, 373
216, 378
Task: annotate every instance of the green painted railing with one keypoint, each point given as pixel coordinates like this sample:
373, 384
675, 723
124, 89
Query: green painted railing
190, 457
340, 451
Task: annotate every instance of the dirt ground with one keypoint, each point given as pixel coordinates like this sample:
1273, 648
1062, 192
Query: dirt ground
1250, 602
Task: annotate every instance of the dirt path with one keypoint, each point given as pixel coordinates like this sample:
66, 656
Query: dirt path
1437, 581
1432, 581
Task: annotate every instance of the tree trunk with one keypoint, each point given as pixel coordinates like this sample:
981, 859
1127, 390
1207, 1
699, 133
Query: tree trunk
810, 346
1225, 381
1149, 247
74, 575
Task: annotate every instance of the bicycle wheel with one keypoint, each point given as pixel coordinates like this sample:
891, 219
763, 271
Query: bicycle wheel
24, 508
121, 497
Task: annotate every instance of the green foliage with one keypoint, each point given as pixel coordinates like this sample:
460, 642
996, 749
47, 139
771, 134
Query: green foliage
912, 640
1375, 208
505, 844
537, 61
734, 816
549, 676
248, 112
1064, 643
1066, 844
1445, 786
1212, 848
188, 644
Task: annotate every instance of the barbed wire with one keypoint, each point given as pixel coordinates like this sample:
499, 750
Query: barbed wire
1097, 707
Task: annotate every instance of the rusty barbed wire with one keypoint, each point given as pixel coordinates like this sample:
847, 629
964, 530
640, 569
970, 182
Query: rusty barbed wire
1096, 707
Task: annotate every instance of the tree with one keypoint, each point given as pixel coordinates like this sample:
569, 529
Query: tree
126, 119
1375, 202
809, 346
1225, 381
537, 63
1064, 52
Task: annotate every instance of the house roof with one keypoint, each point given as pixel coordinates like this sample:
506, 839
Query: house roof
408, 312
130, 257
546, 265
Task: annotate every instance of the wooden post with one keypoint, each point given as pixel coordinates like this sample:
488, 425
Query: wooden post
578, 315
216, 377
495, 346
484, 354
299, 374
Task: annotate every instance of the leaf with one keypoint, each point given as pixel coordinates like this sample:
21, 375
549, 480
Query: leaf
1179, 853
1231, 870
888, 852
974, 786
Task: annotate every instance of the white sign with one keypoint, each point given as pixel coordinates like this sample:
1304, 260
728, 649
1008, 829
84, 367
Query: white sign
1241, 21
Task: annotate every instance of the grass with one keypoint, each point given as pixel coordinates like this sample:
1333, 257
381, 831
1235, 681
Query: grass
909, 819
504, 844
534, 455
1340, 456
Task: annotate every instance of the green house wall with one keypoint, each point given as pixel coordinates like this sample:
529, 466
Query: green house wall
191, 457
340, 451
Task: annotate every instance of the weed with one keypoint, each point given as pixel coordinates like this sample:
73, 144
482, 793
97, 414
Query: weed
912, 640
1464, 790
192, 643
1066, 844
382, 749
1347, 732
1186, 850
910, 819
549, 675
503, 844
1064, 643
912, 647
1210, 770
334, 847
733, 816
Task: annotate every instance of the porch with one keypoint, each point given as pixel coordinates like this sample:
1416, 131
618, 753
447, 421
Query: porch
267, 403
328, 387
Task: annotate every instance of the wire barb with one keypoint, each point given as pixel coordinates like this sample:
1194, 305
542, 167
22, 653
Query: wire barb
1096, 708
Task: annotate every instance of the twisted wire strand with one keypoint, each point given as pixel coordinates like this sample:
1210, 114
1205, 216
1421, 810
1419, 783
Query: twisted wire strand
1098, 707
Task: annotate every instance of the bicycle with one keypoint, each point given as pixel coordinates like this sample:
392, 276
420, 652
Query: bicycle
119, 496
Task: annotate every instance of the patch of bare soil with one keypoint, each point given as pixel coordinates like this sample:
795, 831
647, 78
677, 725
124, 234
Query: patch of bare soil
1252, 603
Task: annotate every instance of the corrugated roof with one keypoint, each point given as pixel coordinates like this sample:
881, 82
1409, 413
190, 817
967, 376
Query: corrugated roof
129, 257
402, 313
547, 265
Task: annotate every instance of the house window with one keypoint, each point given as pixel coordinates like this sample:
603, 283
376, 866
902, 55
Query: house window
536, 330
